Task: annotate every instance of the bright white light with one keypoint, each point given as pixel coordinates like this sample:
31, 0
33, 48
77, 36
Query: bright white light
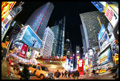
77, 51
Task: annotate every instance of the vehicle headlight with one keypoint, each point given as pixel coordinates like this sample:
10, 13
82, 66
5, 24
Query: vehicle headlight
46, 75
21, 69
29, 71
12, 63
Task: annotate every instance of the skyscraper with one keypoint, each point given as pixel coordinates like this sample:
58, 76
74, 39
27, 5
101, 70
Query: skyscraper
48, 39
91, 27
61, 36
55, 29
39, 18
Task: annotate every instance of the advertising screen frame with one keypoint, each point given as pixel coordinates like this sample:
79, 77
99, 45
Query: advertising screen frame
101, 32
103, 52
104, 41
27, 34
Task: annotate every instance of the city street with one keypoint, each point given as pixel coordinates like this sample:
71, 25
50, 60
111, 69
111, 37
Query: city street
104, 76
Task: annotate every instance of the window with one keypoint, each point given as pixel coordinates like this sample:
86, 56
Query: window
44, 68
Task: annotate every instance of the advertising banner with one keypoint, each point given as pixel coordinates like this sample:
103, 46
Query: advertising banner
104, 40
98, 5
101, 32
6, 7
23, 51
81, 66
111, 15
29, 37
105, 56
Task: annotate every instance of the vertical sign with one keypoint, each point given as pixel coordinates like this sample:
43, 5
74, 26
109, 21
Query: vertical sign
81, 66
23, 51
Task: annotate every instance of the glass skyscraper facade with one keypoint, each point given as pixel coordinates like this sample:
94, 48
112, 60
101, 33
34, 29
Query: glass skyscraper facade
91, 27
55, 29
61, 36
39, 18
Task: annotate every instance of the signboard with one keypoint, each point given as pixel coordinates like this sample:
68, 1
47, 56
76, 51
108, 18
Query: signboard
104, 40
29, 37
81, 66
111, 15
101, 32
6, 7
23, 51
98, 5
105, 56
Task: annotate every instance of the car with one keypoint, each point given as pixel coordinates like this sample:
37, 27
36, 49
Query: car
32, 68
41, 71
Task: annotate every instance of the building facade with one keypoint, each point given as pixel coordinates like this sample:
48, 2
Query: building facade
61, 36
55, 29
91, 28
39, 19
47, 45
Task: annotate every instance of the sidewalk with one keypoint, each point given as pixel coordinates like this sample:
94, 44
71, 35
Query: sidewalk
4, 72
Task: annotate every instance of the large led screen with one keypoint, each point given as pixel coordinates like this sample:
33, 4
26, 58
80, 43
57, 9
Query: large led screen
105, 56
30, 38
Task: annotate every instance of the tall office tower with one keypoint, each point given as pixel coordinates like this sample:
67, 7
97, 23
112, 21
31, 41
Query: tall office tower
39, 18
55, 29
48, 39
61, 36
68, 49
91, 27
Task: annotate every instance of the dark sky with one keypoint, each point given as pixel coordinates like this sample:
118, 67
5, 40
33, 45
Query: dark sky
69, 9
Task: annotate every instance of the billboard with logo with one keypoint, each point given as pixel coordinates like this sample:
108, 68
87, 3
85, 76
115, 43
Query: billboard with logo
101, 32
29, 37
81, 66
105, 56
111, 15
104, 40
23, 51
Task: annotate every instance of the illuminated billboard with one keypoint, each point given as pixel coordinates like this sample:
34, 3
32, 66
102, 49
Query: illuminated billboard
101, 32
6, 7
104, 40
105, 56
98, 5
81, 66
29, 37
111, 15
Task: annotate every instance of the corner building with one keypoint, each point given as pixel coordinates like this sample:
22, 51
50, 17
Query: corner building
39, 18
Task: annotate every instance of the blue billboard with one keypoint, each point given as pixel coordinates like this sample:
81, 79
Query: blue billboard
101, 32
30, 38
98, 5
106, 56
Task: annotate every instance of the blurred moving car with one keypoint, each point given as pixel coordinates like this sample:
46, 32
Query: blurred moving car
41, 71
21, 66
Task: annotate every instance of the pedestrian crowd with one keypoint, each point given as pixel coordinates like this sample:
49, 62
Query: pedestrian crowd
67, 74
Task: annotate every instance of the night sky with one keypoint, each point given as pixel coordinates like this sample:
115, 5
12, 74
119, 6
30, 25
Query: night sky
69, 9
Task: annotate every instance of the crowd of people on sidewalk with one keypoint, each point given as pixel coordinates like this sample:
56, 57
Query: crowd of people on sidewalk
67, 74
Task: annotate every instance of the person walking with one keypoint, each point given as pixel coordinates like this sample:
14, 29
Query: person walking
86, 74
93, 72
57, 74
65, 74
116, 73
62, 74
77, 74
69, 74
25, 73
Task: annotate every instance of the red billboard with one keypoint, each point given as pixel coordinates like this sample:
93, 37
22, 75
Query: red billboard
81, 66
23, 51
